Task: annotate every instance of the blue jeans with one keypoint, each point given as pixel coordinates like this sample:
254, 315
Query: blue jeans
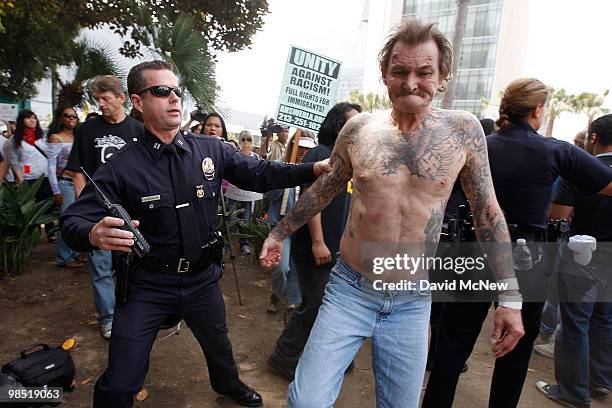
64, 253
103, 284
583, 349
397, 322
284, 277
550, 318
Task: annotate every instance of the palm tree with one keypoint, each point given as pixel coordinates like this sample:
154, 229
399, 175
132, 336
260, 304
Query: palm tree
370, 102
559, 101
174, 38
459, 31
590, 104
90, 59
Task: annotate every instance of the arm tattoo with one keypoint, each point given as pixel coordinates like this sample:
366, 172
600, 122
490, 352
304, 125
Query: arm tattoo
327, 186
489, 221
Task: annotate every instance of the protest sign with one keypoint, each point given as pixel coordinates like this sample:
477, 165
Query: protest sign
309, 89
8, 111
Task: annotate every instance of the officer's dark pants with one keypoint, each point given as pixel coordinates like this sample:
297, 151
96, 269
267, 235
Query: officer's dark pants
312, 279
460, 325
152, 298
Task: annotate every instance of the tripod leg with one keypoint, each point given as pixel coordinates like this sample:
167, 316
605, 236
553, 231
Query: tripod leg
229, 240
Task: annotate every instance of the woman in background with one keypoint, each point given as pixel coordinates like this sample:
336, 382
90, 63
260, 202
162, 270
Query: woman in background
214, 125
59, 144
27, 156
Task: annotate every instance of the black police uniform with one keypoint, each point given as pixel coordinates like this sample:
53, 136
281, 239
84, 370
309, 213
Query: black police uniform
138, 178
524, 166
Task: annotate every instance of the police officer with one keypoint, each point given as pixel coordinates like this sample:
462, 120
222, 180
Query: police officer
169, 181
524, 166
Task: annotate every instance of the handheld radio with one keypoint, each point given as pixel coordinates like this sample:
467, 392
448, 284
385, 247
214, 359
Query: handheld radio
141, 246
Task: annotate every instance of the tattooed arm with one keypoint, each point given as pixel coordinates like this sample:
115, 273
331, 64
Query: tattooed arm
488, 217
492, 233
316, 197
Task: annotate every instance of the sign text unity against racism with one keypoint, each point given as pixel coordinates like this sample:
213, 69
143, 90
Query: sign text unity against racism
309, 89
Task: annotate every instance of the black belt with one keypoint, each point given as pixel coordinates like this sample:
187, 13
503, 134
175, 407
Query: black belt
180, 265
209, 255
65, 178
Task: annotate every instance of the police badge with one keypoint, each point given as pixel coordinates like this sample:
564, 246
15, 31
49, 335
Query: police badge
208, 168
200, 191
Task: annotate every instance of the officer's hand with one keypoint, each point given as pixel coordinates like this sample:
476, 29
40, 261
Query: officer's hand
270, 252
321, 253
321, 167
507, 330
107, 236
58, 199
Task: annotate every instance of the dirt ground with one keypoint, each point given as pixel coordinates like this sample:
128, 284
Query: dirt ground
50, 304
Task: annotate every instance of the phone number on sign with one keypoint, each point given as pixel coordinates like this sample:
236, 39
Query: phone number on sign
31, 394
299, 122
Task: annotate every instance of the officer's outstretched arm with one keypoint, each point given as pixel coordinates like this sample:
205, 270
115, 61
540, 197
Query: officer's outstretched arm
316, 197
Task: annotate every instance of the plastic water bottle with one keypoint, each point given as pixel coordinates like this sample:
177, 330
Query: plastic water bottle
521, 256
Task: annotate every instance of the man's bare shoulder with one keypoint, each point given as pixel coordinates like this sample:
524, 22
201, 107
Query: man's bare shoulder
457, 117
464, 125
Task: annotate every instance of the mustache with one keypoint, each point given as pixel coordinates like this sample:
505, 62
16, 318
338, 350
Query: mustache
406, 92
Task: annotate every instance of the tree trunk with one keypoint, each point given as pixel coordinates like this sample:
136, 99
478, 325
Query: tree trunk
54, 90
551, 123
459, 31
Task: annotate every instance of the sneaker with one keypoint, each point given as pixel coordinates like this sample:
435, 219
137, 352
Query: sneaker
272, 307
545, 350
106, 329
599, 392
551, 391
544, 338
245, 250
291, 309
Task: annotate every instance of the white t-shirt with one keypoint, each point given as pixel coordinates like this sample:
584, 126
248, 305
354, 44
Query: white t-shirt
29, 159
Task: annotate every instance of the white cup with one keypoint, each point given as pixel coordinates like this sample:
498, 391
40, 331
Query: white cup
583, 247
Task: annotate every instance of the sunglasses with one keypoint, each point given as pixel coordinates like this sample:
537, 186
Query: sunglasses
246, 140
68, 116
162, 91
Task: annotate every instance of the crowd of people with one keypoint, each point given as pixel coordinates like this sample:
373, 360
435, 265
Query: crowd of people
367, 185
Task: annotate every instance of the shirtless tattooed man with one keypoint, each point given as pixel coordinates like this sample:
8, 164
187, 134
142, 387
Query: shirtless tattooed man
403, 163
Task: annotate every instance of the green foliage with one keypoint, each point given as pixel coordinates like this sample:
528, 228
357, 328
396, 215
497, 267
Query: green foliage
370, 102
36, 36
90, 60
175, 39
39, 35
226, 25
20, 219
256, 231
589, 103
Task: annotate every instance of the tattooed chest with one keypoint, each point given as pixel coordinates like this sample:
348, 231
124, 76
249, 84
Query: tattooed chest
425, 158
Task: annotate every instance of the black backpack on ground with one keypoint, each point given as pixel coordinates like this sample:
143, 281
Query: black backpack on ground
52, 367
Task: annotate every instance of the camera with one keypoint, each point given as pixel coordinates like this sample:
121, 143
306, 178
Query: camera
199, 114
268, 127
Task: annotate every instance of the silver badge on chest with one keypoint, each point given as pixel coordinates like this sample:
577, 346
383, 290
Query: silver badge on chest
200, 191
208, 168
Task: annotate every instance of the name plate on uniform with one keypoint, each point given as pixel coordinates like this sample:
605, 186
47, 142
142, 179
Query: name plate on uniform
237, 194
